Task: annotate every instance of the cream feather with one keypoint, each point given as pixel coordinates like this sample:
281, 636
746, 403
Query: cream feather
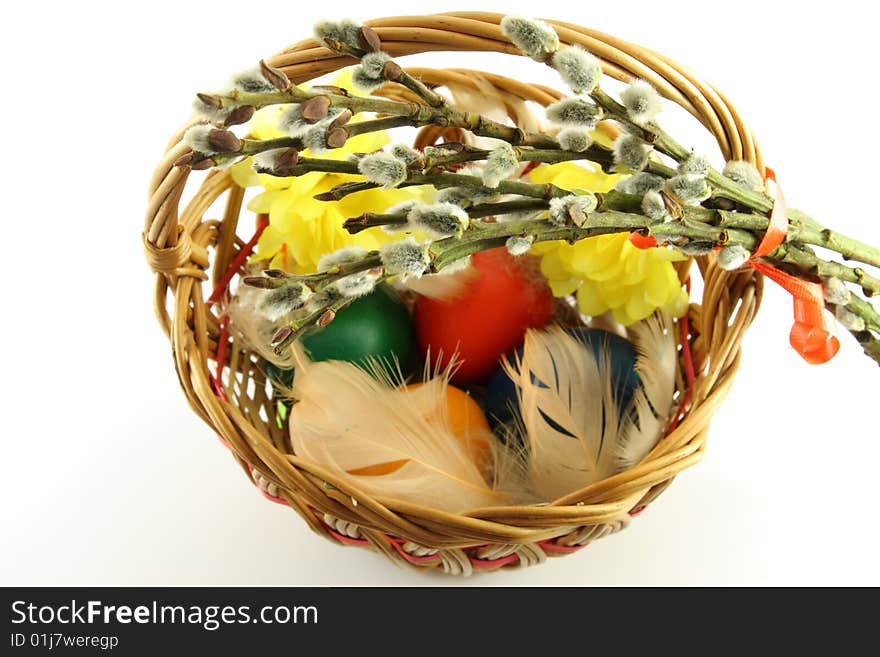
654, 340
348, 420
448, 284
257, 331
488, 100
573, 429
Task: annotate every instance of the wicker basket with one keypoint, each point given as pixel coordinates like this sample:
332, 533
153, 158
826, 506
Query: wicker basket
225, 383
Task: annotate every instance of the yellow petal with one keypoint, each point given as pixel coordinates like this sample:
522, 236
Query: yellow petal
264, 122
638, 308
612, 294
262, 203
269, 244
546, 247
661, 285
678, 307
242, 173
563, 287
552, 266
570, 176
589, 300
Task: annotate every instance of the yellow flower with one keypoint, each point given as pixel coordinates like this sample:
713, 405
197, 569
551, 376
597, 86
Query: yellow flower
302, 229
607, 272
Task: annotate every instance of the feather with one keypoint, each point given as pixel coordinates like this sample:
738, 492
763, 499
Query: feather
488, 100
568, 411
250, 323
448, 284
380, 437
654, 340
573, 430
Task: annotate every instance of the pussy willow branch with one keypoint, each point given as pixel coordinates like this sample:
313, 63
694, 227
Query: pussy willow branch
445, 115
439, 180
371, 219
664, 143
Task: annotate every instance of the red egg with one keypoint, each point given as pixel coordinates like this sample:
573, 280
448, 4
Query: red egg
488, 318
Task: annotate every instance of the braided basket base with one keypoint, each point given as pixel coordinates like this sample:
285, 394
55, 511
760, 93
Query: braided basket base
225, 383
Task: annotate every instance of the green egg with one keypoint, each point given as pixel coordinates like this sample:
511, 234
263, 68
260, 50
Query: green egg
375, 326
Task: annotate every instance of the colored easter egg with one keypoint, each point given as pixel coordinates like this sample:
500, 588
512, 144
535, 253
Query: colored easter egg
501, 394
466, 421
487, 318
374, 326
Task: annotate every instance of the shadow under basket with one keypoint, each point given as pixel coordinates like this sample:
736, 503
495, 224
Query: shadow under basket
194, 258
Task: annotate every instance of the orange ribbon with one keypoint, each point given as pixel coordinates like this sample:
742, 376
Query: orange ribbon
812, 335
642, 241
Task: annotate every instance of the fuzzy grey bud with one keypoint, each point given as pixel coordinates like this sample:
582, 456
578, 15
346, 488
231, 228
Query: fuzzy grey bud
383, 169
849, 319
574, 112
534, 38
640, 183
276, 77
224, 141
438, 219
368, 76
500, 165
252, 80
298, 119
631, 153
578, 69
356, 285
402, 207
340, 257
837, 292
464, 197
405, 152
277, 303
744, 174
405, 257
316, 140
208, 107
315, 109
642, 102
694, 165
695, 249
197, 138
571, 210
292, 122
322, 299
690, 190
574, 139
517, 245
654, 207
455, 195
333, 34
209, 140
238, 115
733, 257
267, 161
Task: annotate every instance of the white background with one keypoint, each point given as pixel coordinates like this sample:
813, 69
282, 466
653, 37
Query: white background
109, 478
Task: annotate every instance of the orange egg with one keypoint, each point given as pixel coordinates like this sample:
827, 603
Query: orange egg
467, 422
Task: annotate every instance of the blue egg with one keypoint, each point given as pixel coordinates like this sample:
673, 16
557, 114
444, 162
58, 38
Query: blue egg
501, 400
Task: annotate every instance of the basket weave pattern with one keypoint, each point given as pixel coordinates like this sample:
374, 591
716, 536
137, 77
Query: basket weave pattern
191, 253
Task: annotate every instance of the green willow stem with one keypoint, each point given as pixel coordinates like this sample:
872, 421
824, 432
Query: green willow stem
371, 220
445, 115
664, 143
376, 125
813, 264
